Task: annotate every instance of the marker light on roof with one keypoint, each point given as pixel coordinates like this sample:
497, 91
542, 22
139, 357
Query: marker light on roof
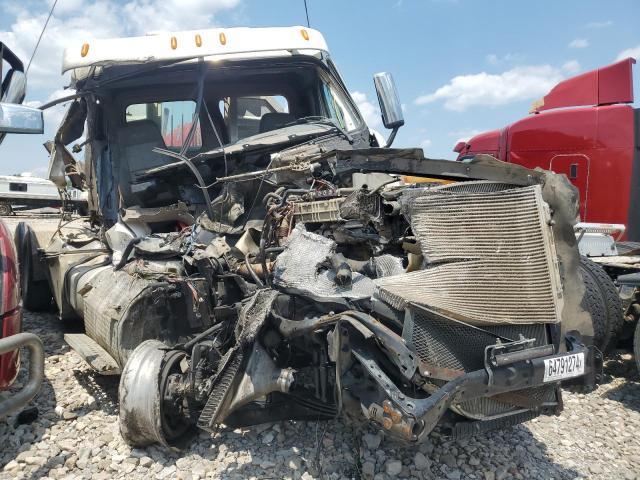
248, 43
198, 40
84, 50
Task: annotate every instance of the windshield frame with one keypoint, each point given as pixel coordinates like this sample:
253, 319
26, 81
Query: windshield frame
163, 90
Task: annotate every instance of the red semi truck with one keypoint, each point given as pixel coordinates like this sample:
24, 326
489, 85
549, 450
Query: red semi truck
586, 128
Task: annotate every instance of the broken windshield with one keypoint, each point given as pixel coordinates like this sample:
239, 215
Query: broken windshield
238, 107
227, 118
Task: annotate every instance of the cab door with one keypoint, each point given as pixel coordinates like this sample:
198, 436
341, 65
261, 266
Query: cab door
576, 167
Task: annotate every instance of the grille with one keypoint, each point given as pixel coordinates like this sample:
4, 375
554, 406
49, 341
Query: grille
251, 318
490, 253
449, 344
485, 408
212, 410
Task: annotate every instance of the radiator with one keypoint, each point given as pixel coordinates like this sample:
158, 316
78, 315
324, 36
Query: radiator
489, 256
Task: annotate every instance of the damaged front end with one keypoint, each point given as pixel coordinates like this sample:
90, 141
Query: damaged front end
450, 301
239, 269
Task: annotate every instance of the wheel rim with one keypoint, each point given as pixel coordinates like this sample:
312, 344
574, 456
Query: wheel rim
144, 420
173, 426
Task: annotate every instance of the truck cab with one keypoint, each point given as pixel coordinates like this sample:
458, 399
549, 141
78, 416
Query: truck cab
586, 129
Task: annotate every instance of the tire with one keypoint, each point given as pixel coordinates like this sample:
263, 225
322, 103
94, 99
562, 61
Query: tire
636, 345
602, 301
36, 294
143, 417
5, 209
626, 247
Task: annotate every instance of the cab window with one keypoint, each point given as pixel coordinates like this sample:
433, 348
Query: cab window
338, 108
172, 119
249, 115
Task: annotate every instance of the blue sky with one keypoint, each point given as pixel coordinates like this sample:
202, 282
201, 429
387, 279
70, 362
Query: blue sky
461, 67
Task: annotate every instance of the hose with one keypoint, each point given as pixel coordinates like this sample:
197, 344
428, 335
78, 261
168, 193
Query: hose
127, 251
252, 272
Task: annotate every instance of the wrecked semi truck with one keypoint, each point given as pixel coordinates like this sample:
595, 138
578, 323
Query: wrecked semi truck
254, 255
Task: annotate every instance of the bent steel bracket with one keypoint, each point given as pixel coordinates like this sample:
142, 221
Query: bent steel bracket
418, 416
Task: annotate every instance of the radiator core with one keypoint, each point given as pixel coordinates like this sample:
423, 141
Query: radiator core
489, 256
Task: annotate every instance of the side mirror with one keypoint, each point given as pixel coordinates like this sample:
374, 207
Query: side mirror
390, 105
14, 87
20, 119
16, 118
14, 83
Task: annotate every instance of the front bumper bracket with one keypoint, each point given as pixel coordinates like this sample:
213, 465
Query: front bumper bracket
508, 367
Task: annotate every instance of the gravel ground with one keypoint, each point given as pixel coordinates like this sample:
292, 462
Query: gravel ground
76, 436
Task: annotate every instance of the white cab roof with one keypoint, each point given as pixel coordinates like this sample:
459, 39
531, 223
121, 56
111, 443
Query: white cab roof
213, 43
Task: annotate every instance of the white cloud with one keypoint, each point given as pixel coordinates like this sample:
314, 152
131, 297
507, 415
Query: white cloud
629, 52
579, 43
604, 24
39, 171
77, 21
483, 89
493, 59
368, 110
464, 135
425, 144
98, 19
155, 15
66, 6
571, 66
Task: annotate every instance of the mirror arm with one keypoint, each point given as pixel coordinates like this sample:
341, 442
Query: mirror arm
11, 58
55, 102
392, 136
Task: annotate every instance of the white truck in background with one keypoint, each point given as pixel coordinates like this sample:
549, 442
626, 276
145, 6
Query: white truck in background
23, 191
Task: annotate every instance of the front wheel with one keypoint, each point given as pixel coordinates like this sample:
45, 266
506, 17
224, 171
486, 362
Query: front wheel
149, 413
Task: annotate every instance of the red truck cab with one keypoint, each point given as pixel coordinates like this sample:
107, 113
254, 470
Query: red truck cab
585, 128
10, 313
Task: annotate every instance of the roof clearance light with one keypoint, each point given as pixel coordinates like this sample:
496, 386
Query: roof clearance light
198, 40
174, 43
84, 50
304, 34
223, 38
